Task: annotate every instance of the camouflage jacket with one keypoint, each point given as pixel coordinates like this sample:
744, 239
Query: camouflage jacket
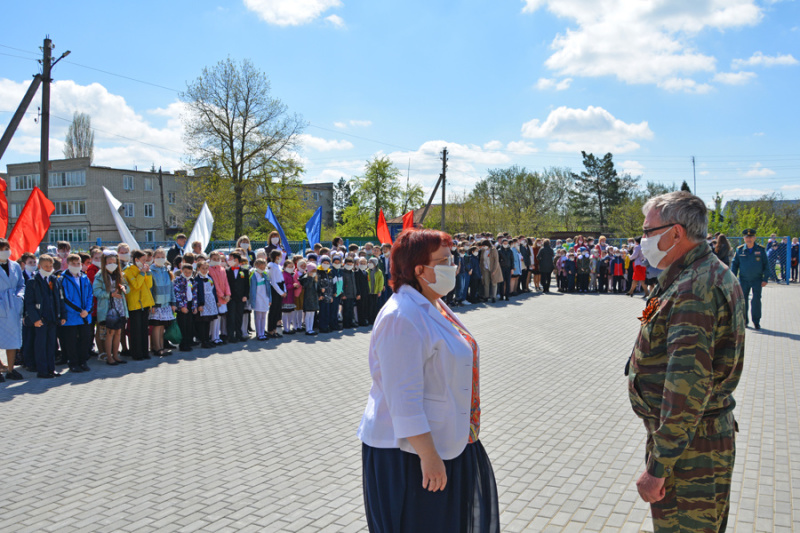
689, 355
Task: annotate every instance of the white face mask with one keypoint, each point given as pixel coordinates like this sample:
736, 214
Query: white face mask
140, 265
445, 279
371, 266
125, 257
348, 267
275, 241
260, 271
74, 270
326, 266
185, 276
160, 261
290, 270
96, 263
362, 267
475, 253
111, 267
232, 263
45, 273
337, 265
213, 263
650, 249
30, 269
4, 255
505, 245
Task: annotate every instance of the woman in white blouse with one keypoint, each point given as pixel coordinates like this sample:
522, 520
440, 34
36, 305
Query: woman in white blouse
424, 468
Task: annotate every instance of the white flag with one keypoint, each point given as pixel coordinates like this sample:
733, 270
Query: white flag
202, 228
124, 233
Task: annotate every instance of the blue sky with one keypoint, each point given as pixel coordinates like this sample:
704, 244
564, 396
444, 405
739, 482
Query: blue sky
529, 82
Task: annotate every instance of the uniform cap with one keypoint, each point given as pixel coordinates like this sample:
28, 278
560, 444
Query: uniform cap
749, 232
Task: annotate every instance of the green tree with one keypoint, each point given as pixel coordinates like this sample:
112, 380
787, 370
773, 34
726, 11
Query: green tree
80, 137
378, 188
235, 126
413, 197
598, 189
342, 199
718, 221
626, 218
685, 186
356, 222
752, 217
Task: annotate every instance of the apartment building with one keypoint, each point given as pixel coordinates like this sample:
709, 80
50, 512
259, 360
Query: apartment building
153, 206
319, 195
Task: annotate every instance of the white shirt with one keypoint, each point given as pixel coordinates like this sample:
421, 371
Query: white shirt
275, 277
421, 370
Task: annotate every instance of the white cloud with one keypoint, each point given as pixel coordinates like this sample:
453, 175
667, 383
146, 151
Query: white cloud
290, 12
758, 134
521, 147
634, 168
336, 21
641, 42
731, 194
592, 129
545, 84
123, 136
757, 170
340, 125
734, 78
323, 145
790, 188
493, 145
760, 60
354, 123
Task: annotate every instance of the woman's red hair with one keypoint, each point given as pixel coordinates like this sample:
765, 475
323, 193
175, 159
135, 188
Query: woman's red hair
412, 248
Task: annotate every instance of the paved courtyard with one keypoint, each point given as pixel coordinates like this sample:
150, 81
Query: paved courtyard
263, 438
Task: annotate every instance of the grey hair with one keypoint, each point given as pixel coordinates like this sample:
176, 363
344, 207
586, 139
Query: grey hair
684, 208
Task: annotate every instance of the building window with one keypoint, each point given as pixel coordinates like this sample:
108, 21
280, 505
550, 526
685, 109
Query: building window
69, 234
148, 184
127, 182
149, 210
305, 196
70, 207
15, 209
24, 183
150, 235
73, 178
173, 221
171, 197
128, 210
316, 196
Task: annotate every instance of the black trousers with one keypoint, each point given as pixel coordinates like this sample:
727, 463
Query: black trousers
275, 309
77, 342
203, 329
139, 321
505, 289
372, 308
617, 281
186, 325
546, 280
347, 312
44, 346
28, 354
583, 282
234, 318
474, 289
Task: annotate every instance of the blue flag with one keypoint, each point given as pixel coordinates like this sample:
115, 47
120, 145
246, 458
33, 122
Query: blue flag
270, 216
314, 227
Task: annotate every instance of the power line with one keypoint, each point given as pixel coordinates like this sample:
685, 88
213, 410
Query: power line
19, 57
21, 50
123, 76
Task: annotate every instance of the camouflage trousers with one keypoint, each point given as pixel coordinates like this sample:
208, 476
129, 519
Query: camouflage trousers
698, 492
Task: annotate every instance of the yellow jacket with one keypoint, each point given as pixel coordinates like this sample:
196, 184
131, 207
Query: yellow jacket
139, 283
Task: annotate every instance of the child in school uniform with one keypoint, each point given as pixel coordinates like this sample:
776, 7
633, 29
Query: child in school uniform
349, 294
287, 305
207, 310
76, 333
362, 292
375, 279
239, 283
299, 271
561, 275
570, 269
45, 310
618, 268
260, 294
217, 272
594, 263
326, 290
603, 267
186, 301
311, 296
247, 311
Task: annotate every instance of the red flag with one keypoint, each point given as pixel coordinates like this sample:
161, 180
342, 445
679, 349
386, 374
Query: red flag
32, 224
383, 230
3, 208
408, 220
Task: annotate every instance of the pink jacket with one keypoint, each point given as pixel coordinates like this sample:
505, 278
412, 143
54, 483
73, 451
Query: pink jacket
220, 278
290, 285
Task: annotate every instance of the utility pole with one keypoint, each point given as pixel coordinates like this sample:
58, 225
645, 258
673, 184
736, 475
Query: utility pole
44, 155
444, 182
695, 178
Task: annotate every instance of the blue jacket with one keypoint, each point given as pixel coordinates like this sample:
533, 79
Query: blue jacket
569, 267
163, 294
474, 264
104, 298
517, 261
78, 292
42, 303
254, 286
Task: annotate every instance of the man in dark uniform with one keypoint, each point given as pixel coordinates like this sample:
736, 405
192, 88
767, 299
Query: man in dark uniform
751, 265
177, 249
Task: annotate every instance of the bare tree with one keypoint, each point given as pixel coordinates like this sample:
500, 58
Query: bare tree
235, 126
80, 137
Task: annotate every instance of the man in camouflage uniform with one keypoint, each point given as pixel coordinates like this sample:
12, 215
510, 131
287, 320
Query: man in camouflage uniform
684, 368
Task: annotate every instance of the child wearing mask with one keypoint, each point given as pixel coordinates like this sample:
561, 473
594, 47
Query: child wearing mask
326, 290
28, 264
45, 310
207, 311
239, 283
561, 273
109, 289
337, 282
140, 281
618, 272
474, 271
349, 294
594, 263
216, 270
311, 296
604, 265
277, 292
570, 269
287, 305
583, 267
162, 312
75, 334
260, 295
185, 290
362, 292
375, 279
299, 271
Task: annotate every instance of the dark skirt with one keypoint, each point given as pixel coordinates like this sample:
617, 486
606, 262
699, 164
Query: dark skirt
396, 502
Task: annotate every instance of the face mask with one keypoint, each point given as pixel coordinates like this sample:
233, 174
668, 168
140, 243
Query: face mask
326, 266
453, 248
96, 263
74, 270
651, 252
140, 265
337, 265
62, 255
111, 267
186, 276
245, 246
214, 263
125, 257
4, 255
362, 267
45, 273
505, 245
160, 261
368, 252
232, 263
290, 270
445, 279
274, 240
475, 253
348, 267
371, 266
30, 269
